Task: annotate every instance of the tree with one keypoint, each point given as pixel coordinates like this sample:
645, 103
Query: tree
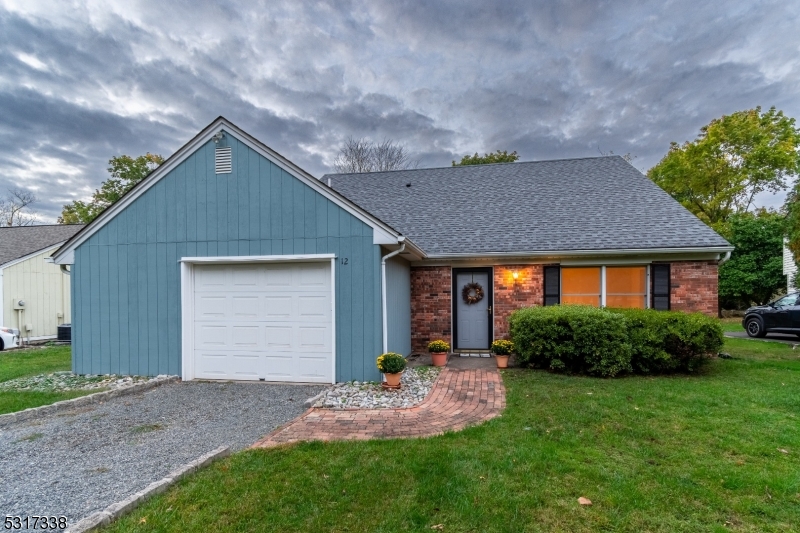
754, 273
126, 171
363, 155
734, 158
15, 210
487, 159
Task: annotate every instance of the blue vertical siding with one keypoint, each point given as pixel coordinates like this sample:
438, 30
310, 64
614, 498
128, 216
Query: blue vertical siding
126, 304
398, 305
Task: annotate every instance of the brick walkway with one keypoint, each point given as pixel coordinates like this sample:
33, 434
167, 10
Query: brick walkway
459, 398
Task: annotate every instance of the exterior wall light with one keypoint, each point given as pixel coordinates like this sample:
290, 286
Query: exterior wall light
515, 274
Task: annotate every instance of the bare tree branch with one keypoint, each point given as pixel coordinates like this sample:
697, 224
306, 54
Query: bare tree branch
14, 210
363, 155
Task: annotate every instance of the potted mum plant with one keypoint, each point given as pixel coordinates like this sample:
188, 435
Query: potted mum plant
439, 350
502, 350
392, 365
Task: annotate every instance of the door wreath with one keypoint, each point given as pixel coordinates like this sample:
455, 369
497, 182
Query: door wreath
472, 293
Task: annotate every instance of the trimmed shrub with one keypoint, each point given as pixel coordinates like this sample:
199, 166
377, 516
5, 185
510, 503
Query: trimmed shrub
670, 341
608, 342
572, 338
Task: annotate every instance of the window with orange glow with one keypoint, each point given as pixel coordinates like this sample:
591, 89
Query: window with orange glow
626, 286
580, 285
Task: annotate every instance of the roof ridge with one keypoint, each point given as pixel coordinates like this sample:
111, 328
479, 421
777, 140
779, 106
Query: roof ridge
472, 166
41, 226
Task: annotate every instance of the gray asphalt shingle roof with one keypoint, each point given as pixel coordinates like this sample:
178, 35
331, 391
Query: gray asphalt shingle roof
19, 241
597, 203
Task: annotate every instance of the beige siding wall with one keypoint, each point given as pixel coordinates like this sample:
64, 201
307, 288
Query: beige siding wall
45, 290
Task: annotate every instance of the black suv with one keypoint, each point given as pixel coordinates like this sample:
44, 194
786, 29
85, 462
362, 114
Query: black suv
780, 316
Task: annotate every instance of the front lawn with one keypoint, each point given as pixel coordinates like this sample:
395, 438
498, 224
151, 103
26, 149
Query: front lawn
32, 362
732, 324
718, 451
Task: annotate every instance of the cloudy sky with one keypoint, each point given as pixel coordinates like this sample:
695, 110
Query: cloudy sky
81, 81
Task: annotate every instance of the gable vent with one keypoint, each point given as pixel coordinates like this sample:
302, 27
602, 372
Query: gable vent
222, 160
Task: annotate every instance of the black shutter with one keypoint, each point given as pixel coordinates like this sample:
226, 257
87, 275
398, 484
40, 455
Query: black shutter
552, 285
660, 287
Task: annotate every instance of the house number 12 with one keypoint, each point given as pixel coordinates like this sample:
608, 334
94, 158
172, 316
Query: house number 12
344, 260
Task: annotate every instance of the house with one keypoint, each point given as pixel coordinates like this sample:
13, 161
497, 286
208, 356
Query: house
230, 262
789, 267
27, 276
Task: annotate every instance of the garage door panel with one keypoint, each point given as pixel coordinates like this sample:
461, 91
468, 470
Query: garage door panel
314, 276
278, 306
279, 338
311, 338
246, 336
211, 365
245, 307
313, 307
277, 276
312, 367
270, 322
245, 365
210, 306
279, 367
210, 335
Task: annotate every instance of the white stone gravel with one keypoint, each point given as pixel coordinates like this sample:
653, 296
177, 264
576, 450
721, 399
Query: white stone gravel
416, 383
67, 381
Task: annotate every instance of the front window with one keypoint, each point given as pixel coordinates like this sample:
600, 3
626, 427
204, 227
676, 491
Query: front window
625, 286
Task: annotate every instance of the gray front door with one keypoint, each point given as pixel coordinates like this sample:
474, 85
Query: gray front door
472, 320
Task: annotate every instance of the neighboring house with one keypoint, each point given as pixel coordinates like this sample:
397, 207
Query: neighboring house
789, 267
230, 262
25, 274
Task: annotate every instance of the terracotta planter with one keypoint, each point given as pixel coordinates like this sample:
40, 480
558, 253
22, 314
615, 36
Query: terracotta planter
439, 358
502, 361
393, 380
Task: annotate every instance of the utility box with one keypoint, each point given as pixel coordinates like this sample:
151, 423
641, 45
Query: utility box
18, 303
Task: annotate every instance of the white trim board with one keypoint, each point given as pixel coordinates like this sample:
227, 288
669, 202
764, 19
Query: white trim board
382, 232
187, 299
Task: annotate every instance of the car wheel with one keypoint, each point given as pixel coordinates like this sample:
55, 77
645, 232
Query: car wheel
754, 328
2, 346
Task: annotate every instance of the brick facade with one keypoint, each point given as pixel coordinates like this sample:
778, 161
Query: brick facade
511, 294
431, 306
693, 286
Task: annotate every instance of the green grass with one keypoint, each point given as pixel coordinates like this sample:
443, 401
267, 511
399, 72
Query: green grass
680, 453
23, 363
732, 324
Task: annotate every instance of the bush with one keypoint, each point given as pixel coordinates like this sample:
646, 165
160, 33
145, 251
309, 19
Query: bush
572, 338
391, 363
670, 341
608, 342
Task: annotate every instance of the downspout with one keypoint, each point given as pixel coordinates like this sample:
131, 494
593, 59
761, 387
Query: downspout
725, 257
64, 269
383, 291
719, 263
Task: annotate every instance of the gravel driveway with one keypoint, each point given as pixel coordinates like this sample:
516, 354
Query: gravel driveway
77, 462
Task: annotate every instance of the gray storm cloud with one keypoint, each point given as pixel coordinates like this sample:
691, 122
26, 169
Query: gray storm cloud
82, 82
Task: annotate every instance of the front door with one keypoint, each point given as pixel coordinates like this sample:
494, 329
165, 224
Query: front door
472, 297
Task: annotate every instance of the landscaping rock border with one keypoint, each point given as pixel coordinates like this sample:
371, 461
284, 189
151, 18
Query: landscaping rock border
121, 508
35, 412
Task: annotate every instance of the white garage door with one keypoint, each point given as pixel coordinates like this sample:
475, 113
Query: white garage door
268, 322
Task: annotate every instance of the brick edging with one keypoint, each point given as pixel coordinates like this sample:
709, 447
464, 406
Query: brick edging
123, 507
35, 412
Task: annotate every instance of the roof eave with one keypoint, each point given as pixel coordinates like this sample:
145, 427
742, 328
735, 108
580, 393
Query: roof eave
583, 253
